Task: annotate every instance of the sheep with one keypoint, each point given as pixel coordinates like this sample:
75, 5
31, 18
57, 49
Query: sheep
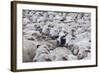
41, 50
60, 54
58, 17
42, 58
33, 18
44, 49
29, 49
81, 49
46, 30
32, 35
75, 50
30, 27
30, 32
54, 33
62, 39
52, 43
82, 54
25, 21
68, 39
42, 19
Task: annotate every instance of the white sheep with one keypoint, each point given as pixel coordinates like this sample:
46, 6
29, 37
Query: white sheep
45, 30
29, 49
54, 32
32, 35
60, 54
25, 21
83, 53
42, 19
42, 58
42, 49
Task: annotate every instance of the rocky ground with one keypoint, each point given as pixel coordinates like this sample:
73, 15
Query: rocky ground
56, 36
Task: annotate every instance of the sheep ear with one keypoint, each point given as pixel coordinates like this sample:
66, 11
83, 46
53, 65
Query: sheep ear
38, 46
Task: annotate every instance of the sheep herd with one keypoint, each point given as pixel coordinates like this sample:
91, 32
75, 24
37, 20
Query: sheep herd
55, 36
